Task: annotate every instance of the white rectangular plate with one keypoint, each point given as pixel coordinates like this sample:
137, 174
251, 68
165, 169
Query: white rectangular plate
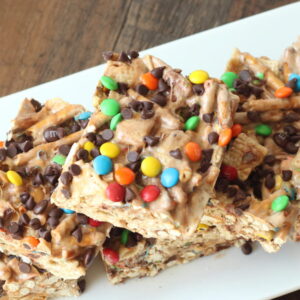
229, 275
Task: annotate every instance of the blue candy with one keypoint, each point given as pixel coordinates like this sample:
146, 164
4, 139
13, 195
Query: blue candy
297, 76
102, 165
83, 116
169, 177
68, 211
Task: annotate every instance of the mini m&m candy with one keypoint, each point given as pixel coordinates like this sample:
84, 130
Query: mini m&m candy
280, 203
225, 137
59, 159
102, 165
228, 78
192, 123
124, 176
236, 129
149, 81
297, 77
89, 146
198, 77
68, 211
193, 151
124, 236
115, 121
110, 150
229, 172
83, 116
111, 255
109, 83
283, 92
110, 107
169, 177
94, 223
115, 192
151, 166
264, 130
14, 178
150, 193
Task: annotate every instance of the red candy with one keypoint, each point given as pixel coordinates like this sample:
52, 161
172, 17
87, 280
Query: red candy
150, 193
111, 255
94, 223
229, 172
115, 192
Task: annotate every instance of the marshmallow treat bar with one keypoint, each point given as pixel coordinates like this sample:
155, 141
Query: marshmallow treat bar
20, 280
256, 195
147, 156
55, 239
128, 255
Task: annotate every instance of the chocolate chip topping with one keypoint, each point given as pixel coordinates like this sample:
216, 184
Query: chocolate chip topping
129, 194
107, 55
159, 99
75, 170
36, 105
82, 219
55, 212
66, 178
126, 113
141, 89
30, 203
147, 105
198, 89
287, 175
133, 156
94, 152
253, 116
64, 149
137, 106
290, 130
291, 148
231, 192
66, 192
81, 285
91, 136
158, 72
133, 54
134, 166
2, 154
88, 257
270, 160
35, 223
14, 227
247, 248
245, 75
151, 140
24, 197
12, 150
83, 154
45, 234
213, 138
208, 118
176, 153
77, 233
123, 57
26, 146
53, 222
291, 117
24, 219
38, 179
280, 139
147, 114
107, 134
24, 268
270, 181
40, 207
222, 185
162, 86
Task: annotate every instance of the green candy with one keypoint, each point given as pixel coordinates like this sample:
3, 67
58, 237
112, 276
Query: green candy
264, 130
115, 121
109, 83
124, 236
192, 123
256, 82
228, 78
110, 107
59, 159
260, 75
280, 203
232, 90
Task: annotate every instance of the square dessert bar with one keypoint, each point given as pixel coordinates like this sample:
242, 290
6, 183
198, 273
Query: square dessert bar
55, 239
149, 156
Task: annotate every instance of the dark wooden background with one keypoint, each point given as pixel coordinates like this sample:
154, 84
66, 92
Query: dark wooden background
45, 39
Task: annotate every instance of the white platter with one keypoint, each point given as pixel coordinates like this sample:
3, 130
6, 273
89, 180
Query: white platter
229, 275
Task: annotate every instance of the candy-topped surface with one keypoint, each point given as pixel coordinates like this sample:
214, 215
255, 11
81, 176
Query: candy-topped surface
31, 160
156, 135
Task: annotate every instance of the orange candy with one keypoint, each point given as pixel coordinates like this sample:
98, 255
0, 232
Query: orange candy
283, 92
1, 144
32, 241
236, 129
149, 81
225, 137
193, 151
124, 176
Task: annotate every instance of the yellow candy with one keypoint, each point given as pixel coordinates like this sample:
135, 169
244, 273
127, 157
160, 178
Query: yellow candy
14, 178
151, 166
88, 146
202, 226
110, 150
278, 182
266, 235
198, 77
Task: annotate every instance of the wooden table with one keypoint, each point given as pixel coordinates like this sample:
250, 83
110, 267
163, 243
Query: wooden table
45, 39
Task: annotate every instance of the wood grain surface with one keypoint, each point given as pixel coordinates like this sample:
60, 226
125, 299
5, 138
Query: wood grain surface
45, 39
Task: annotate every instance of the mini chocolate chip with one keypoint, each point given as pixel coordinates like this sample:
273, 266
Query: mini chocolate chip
30, 203
40, 207
248, 157
147, 105
126, 113
290, 130
75, 170
256, 91
159, 99
83, 123
133, 54
12, 150
162, 86
247, 248
66, 178
213, 138
133, 156
35, 223
123, 57
253, 116
147, 114
64, 149
107, 134
75, 127
24, 268
208, 118
131, 241
14, 227
134, 166
292, 83
95, 152
195, 109
207, 154
158, 72
137, 106
123, 88
38, 179
245, 75
24, 197
176, 153
240, 195
83, 155
129, 194
26, 146
36, 105
151, 140
24, 219
115, 232
51, 134
55, 212
53, 222
222, 185
99, 140
107, 55
257, 190
280, 139
242, 87
77, 234
2, 154
291, 148
82, 219
204, 166
287, 175
270, 181
198, 89
81, 285
45, 234
231, 192
141, 89
66, 192
270, 160
294, 138
291, 117
88, 257
91, 136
